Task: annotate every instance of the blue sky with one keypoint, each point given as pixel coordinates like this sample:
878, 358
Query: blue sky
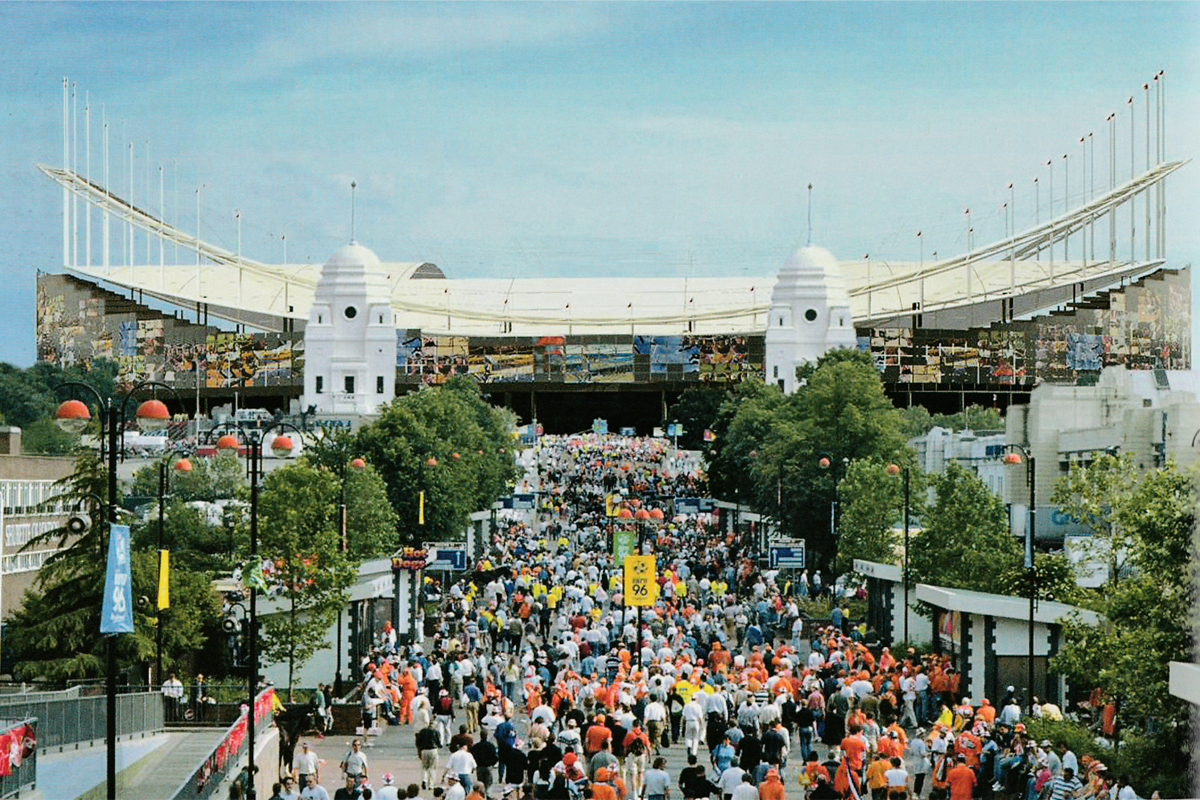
525, 139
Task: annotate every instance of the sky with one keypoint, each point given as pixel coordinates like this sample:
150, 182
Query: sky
581, 139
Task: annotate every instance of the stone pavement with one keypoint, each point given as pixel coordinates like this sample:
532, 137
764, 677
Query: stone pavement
394, 751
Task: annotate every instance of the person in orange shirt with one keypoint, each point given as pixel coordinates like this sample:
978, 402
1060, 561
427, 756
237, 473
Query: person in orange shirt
961, 779
595, 737
986, 712
408, 690
969, 745
876, 781
603, 787
854, 746
772, 787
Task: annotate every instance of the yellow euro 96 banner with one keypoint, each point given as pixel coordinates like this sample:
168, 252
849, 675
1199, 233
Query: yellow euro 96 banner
641, 584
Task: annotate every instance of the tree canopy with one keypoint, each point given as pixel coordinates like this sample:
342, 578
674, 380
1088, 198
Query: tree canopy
965, 542
769, 448
55, 634
447, 442
1148, 611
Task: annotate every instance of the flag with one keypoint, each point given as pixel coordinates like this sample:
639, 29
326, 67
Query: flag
116, 614
252, 575
164, 579
421, 507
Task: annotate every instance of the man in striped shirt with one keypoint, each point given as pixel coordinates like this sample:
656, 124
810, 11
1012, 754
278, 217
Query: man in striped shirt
1065, 786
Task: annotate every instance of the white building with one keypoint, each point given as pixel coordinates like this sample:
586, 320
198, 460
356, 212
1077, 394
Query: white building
809, 314
350, 342
1152, 414
987, 636
979, 452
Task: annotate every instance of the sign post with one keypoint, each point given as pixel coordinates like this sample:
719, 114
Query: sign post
641, 590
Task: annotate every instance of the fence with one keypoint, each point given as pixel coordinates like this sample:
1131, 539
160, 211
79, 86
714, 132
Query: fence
79, 715
210, 774
18, 755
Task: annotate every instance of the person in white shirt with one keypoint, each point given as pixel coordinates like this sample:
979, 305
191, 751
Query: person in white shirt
304, 763
730, 779
746, 790
693, 725
462, 764
896, 776
454, 789
314, 790
389, 790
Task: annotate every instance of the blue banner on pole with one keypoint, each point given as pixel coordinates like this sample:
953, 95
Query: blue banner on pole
116, 615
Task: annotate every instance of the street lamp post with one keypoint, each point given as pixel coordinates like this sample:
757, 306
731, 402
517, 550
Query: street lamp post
281, 445
894, 469
73, 416
828, 462
182, 465
1014, 456
356, 463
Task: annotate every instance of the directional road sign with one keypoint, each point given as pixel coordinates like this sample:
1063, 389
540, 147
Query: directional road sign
446, 556
789, 557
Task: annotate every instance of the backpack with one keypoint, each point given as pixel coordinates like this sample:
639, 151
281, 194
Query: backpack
637, 747
445, 704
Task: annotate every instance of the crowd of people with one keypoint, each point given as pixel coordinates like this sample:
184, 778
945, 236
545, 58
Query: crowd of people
540, 681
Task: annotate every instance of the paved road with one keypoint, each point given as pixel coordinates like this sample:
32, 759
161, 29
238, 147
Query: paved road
394, 752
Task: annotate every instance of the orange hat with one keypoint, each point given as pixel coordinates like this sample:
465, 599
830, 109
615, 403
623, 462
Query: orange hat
569, 758
602, 774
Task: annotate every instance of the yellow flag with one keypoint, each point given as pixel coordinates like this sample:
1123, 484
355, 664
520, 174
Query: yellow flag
421, 508
164, 579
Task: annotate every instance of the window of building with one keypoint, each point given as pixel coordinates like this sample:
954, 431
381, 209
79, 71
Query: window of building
378, 384
351, 312
349, 381
810, 315
320, 384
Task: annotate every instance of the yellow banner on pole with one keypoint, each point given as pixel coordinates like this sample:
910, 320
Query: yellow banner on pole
164, 579
641, 584
421, 508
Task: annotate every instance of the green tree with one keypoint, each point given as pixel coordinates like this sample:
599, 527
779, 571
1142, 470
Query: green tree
872, 519
55, 633
298, 535
965, 539
696, 409
196, 546
843, 415
973, 418
43, 436
1099, 495
447, 442
743, 423
370, 520
915, 421
1148, 613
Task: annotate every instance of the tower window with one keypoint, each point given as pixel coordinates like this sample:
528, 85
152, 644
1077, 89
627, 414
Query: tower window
811, 315
378, 384
776, 371
320, 384
349, 384
351, 312
320, 318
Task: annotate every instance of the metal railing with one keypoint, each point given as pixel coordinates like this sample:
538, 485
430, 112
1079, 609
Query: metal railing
208, 776
70, 718
21, 773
